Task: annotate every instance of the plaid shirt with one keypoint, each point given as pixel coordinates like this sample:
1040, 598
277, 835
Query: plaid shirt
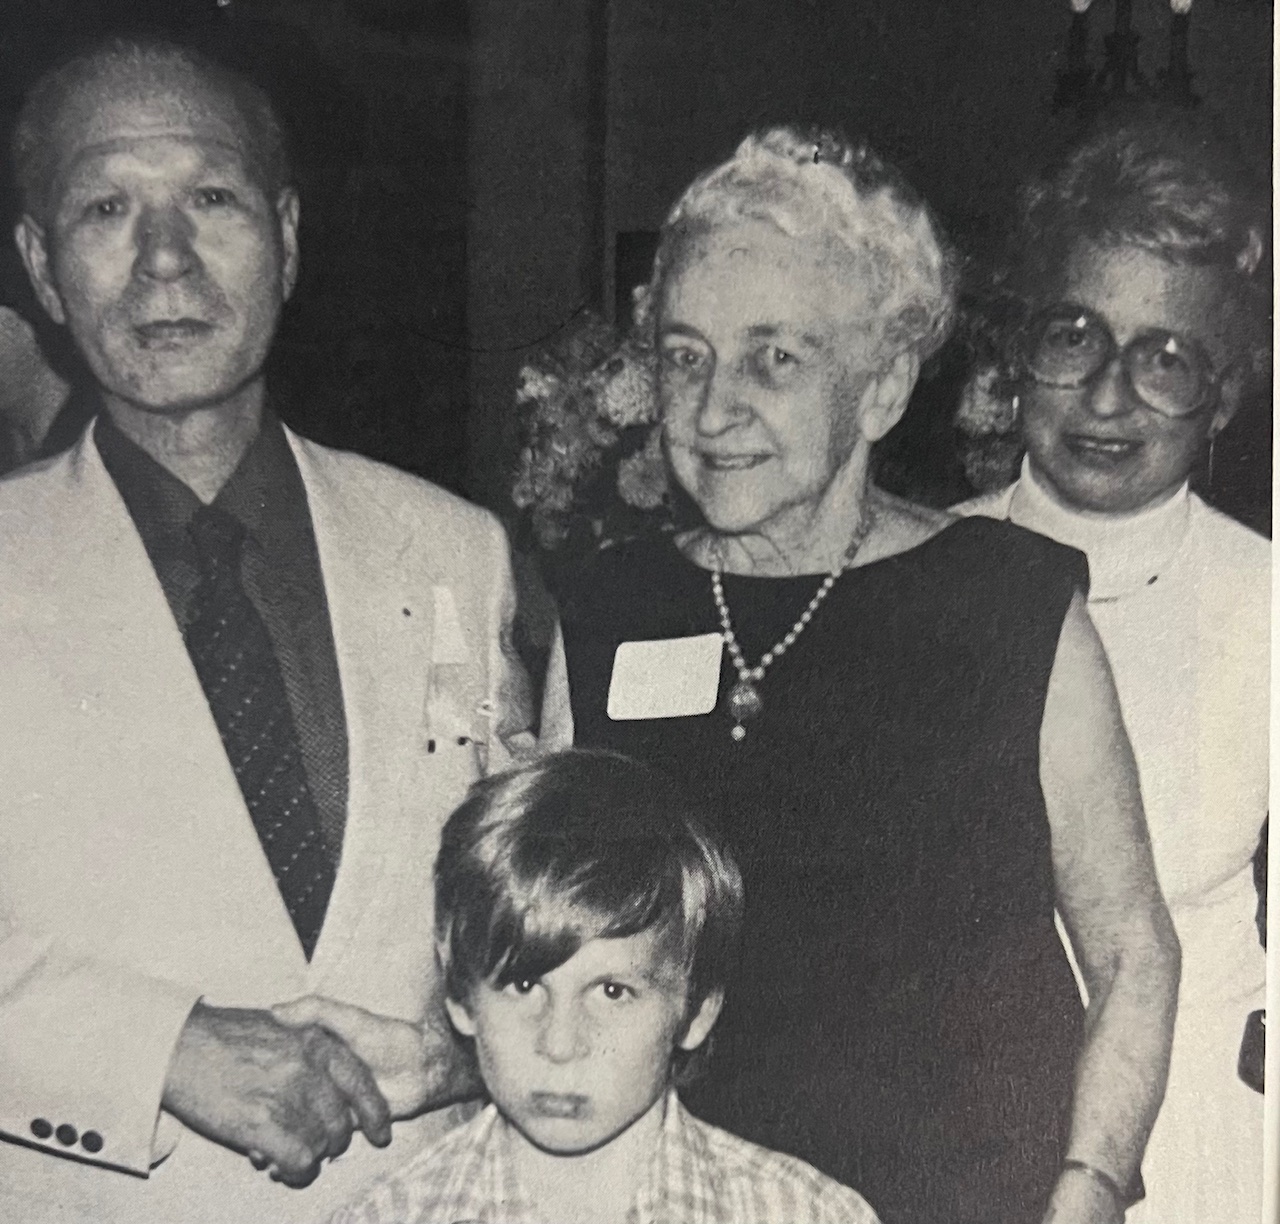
699, 1175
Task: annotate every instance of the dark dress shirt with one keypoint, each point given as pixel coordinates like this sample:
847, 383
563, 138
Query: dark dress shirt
281, 574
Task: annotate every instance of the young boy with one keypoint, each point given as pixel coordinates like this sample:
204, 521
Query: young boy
585, 920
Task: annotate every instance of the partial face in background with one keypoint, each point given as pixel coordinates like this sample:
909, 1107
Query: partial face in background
1099, 447
765, 345
576, 1056
31, 391
162, 251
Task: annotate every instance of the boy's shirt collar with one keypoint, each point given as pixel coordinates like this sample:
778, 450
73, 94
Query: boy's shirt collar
682, 1186
482, 1184
698, 1175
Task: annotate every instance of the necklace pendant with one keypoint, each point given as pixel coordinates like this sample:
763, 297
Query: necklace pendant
745, 703
738, 734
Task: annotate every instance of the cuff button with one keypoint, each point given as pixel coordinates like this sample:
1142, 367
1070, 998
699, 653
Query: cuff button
41, 1129
66, 1135
91, 1141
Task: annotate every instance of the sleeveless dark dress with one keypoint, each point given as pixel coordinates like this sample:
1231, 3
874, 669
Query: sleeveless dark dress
903, 1016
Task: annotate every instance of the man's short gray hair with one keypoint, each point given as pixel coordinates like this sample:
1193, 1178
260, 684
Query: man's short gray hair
818, 184
35, 146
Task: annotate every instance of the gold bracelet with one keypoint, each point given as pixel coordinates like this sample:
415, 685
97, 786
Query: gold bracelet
1122, 1201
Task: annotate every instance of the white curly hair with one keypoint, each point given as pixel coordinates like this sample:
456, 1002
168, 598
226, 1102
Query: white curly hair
818, 184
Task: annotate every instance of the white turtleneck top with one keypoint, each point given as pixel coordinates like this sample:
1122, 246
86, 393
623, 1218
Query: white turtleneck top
1180, 596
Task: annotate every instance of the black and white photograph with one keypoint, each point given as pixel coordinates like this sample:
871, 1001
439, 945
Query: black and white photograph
636, 612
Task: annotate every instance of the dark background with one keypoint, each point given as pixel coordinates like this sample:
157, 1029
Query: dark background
476, 173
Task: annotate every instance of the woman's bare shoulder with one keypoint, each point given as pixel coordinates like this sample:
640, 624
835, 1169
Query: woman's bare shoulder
899, 525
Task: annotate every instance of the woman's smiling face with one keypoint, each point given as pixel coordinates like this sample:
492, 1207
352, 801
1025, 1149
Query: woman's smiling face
762, 362
1099, 447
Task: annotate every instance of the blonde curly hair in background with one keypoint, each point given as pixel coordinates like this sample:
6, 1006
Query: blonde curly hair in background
818, 184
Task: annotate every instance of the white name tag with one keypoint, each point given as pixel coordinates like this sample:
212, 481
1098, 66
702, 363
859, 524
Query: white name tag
668, 678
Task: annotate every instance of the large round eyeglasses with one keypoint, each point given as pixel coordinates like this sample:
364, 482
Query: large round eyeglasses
1068, 346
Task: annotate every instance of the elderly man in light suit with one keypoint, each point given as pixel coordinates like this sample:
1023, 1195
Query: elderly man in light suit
245, 679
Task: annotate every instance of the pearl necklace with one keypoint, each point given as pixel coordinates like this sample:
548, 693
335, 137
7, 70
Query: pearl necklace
744, 701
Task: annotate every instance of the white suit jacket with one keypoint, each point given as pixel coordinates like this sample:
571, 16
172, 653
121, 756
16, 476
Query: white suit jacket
132, 881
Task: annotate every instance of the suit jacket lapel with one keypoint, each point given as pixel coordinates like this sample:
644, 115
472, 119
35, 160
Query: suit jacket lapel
382, 630
143, 745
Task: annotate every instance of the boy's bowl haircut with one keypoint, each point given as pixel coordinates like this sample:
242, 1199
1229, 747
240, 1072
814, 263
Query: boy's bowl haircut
576, 846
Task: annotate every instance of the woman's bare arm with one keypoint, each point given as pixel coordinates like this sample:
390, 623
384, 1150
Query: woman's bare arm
1111, 905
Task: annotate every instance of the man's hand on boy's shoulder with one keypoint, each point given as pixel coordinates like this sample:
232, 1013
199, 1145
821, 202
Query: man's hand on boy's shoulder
416, 1067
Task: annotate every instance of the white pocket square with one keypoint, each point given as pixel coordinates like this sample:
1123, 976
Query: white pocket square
447, 642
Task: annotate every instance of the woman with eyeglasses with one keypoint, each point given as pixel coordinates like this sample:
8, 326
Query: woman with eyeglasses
1132, 319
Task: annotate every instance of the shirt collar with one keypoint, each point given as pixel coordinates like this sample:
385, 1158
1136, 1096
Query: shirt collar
159, 503
265, 492
482, 1186
1126, 552
682, 1187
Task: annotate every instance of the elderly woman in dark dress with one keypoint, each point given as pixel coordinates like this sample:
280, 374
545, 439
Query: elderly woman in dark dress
907, 721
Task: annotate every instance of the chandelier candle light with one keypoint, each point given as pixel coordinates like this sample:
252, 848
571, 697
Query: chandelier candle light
744, 702
1178, 6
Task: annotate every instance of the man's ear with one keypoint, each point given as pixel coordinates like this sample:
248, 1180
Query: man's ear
460, 1017
288, 210
35, 257
885, 397
704, 1019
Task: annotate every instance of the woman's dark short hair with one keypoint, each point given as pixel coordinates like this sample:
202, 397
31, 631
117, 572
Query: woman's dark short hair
1167, 181
577, 846
34, 146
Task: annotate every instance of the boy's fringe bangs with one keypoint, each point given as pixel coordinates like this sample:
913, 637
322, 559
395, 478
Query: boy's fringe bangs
543, 921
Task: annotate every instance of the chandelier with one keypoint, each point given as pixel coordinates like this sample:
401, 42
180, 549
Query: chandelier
1084, 88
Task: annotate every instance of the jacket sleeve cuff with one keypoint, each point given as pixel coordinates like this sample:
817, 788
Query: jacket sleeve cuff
86, 1049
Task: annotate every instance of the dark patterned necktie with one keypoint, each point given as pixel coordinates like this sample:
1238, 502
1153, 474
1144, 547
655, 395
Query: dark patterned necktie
238, 670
